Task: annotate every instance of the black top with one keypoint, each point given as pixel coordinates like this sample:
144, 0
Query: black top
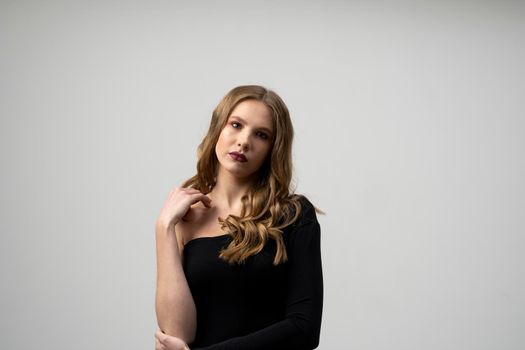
258, 305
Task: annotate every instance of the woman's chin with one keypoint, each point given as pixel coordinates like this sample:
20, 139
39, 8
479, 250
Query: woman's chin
239, 173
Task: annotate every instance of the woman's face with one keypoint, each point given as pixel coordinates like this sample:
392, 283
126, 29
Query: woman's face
249, 132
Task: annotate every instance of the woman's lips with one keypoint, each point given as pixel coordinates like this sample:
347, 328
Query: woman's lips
238, 156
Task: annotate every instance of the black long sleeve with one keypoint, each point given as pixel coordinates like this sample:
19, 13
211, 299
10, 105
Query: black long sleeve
301, 327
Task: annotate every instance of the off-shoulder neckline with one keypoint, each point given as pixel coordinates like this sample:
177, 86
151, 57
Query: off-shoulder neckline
206, 237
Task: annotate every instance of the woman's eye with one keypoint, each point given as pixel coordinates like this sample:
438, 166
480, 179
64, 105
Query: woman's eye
263, 135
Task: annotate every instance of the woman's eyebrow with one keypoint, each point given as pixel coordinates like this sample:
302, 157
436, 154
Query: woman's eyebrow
260, 127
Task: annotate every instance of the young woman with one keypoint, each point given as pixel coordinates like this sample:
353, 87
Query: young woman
238, 253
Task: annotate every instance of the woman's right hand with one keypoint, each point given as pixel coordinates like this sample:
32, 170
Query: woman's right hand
178, 205
167, 342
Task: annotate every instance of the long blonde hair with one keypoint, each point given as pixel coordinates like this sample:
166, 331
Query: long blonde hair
271, 204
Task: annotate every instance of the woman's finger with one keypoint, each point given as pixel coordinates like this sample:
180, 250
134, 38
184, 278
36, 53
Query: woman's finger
160, 336
189, 189
158, 345
205, 200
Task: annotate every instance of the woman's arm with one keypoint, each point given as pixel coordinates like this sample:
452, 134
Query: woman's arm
300, 329
175, 308
174, 305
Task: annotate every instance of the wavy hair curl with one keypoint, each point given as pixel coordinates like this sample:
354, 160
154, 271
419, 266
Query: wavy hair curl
271, 204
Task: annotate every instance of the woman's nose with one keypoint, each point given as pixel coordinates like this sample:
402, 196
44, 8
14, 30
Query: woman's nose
243, 145
243, 141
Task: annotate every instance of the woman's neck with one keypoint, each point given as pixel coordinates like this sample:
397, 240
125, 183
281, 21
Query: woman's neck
229, 190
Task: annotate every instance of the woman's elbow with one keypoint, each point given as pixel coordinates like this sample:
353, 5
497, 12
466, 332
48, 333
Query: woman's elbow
312, 341
308, 335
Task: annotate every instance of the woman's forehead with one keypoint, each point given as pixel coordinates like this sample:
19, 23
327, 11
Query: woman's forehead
254, 114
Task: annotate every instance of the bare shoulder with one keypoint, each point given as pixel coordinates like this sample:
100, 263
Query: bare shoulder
199, 221
181, 232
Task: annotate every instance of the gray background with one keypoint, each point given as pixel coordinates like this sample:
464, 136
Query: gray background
409, 120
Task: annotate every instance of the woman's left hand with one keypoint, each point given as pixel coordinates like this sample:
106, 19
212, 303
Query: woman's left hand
168, 342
